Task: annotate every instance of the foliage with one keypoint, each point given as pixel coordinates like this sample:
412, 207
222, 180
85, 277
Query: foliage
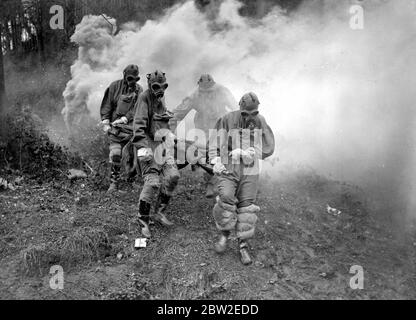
84, 245
28, 149
138, 288
39, 87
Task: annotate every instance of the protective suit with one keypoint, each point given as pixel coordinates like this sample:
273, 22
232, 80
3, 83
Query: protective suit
155, 151
243, 138
210, 101
117, 112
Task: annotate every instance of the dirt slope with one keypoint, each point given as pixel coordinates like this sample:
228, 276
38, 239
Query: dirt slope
301, 251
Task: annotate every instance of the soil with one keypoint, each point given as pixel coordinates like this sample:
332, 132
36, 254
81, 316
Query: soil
300, 251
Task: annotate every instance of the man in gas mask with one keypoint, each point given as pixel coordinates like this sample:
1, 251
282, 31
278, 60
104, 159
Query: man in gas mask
155, 151
117, 112
243, 138
210, 101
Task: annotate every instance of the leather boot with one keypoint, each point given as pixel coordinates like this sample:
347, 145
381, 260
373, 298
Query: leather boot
161, 209
210, 193
114, 177
244, 255
221, 244
211, 186
144, 218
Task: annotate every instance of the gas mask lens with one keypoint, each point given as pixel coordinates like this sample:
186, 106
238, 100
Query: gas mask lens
132, 79
249, 114
156, 87
159, 89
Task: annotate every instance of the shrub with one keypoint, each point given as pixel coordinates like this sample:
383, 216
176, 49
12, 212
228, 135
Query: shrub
26, 147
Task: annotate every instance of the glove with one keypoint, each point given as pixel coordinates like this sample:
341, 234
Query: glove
170, 139
219, 168
106, 125
145, 154
247, 155
236, 154
169, 144
122, 120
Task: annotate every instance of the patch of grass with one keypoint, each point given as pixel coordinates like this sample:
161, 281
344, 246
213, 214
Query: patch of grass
85, 245
139, 288
37, 259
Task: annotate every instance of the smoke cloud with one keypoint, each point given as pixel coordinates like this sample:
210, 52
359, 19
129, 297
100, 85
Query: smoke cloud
339, 100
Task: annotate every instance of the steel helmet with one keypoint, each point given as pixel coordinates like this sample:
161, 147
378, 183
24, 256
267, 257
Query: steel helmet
249, 102
131, 70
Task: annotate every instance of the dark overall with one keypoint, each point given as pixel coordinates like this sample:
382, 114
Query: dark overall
119, 101
235, 208
160, 173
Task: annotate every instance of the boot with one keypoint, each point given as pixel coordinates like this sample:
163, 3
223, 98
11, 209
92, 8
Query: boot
114, 177
221, 245
144, 218
210, 183
244, 255
161, 209
210, 193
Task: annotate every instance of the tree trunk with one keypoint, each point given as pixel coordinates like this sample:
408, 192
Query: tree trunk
2, 82
40, 32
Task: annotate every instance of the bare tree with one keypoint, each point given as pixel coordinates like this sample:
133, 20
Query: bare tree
2, 84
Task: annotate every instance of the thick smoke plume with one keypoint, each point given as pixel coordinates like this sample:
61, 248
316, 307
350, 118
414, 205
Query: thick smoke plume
340, 100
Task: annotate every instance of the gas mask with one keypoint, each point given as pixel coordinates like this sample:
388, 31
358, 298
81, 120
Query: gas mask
131, 75
249, 104
158, 90
250, 119
206, 83
131, 81
157, 84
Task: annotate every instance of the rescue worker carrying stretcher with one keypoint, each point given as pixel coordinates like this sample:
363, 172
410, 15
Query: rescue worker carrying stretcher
117, 112
155, 152
242, 138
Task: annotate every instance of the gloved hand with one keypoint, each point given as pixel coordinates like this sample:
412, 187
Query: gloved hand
219, 168
247, 155
106, 125
145, 154
169, 144
170, 139
122, 120
236, 154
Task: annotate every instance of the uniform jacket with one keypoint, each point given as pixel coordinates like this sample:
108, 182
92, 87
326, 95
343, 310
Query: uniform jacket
151, 115
209, 105
119, 102
229, 131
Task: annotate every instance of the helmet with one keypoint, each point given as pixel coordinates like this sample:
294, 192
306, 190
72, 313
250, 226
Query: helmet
249, 102
206, 82
157, 83
131, 70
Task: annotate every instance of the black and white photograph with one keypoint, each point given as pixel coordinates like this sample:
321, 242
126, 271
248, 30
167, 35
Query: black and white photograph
226, 153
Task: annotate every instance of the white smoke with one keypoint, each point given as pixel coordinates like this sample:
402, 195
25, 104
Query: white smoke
339, 100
